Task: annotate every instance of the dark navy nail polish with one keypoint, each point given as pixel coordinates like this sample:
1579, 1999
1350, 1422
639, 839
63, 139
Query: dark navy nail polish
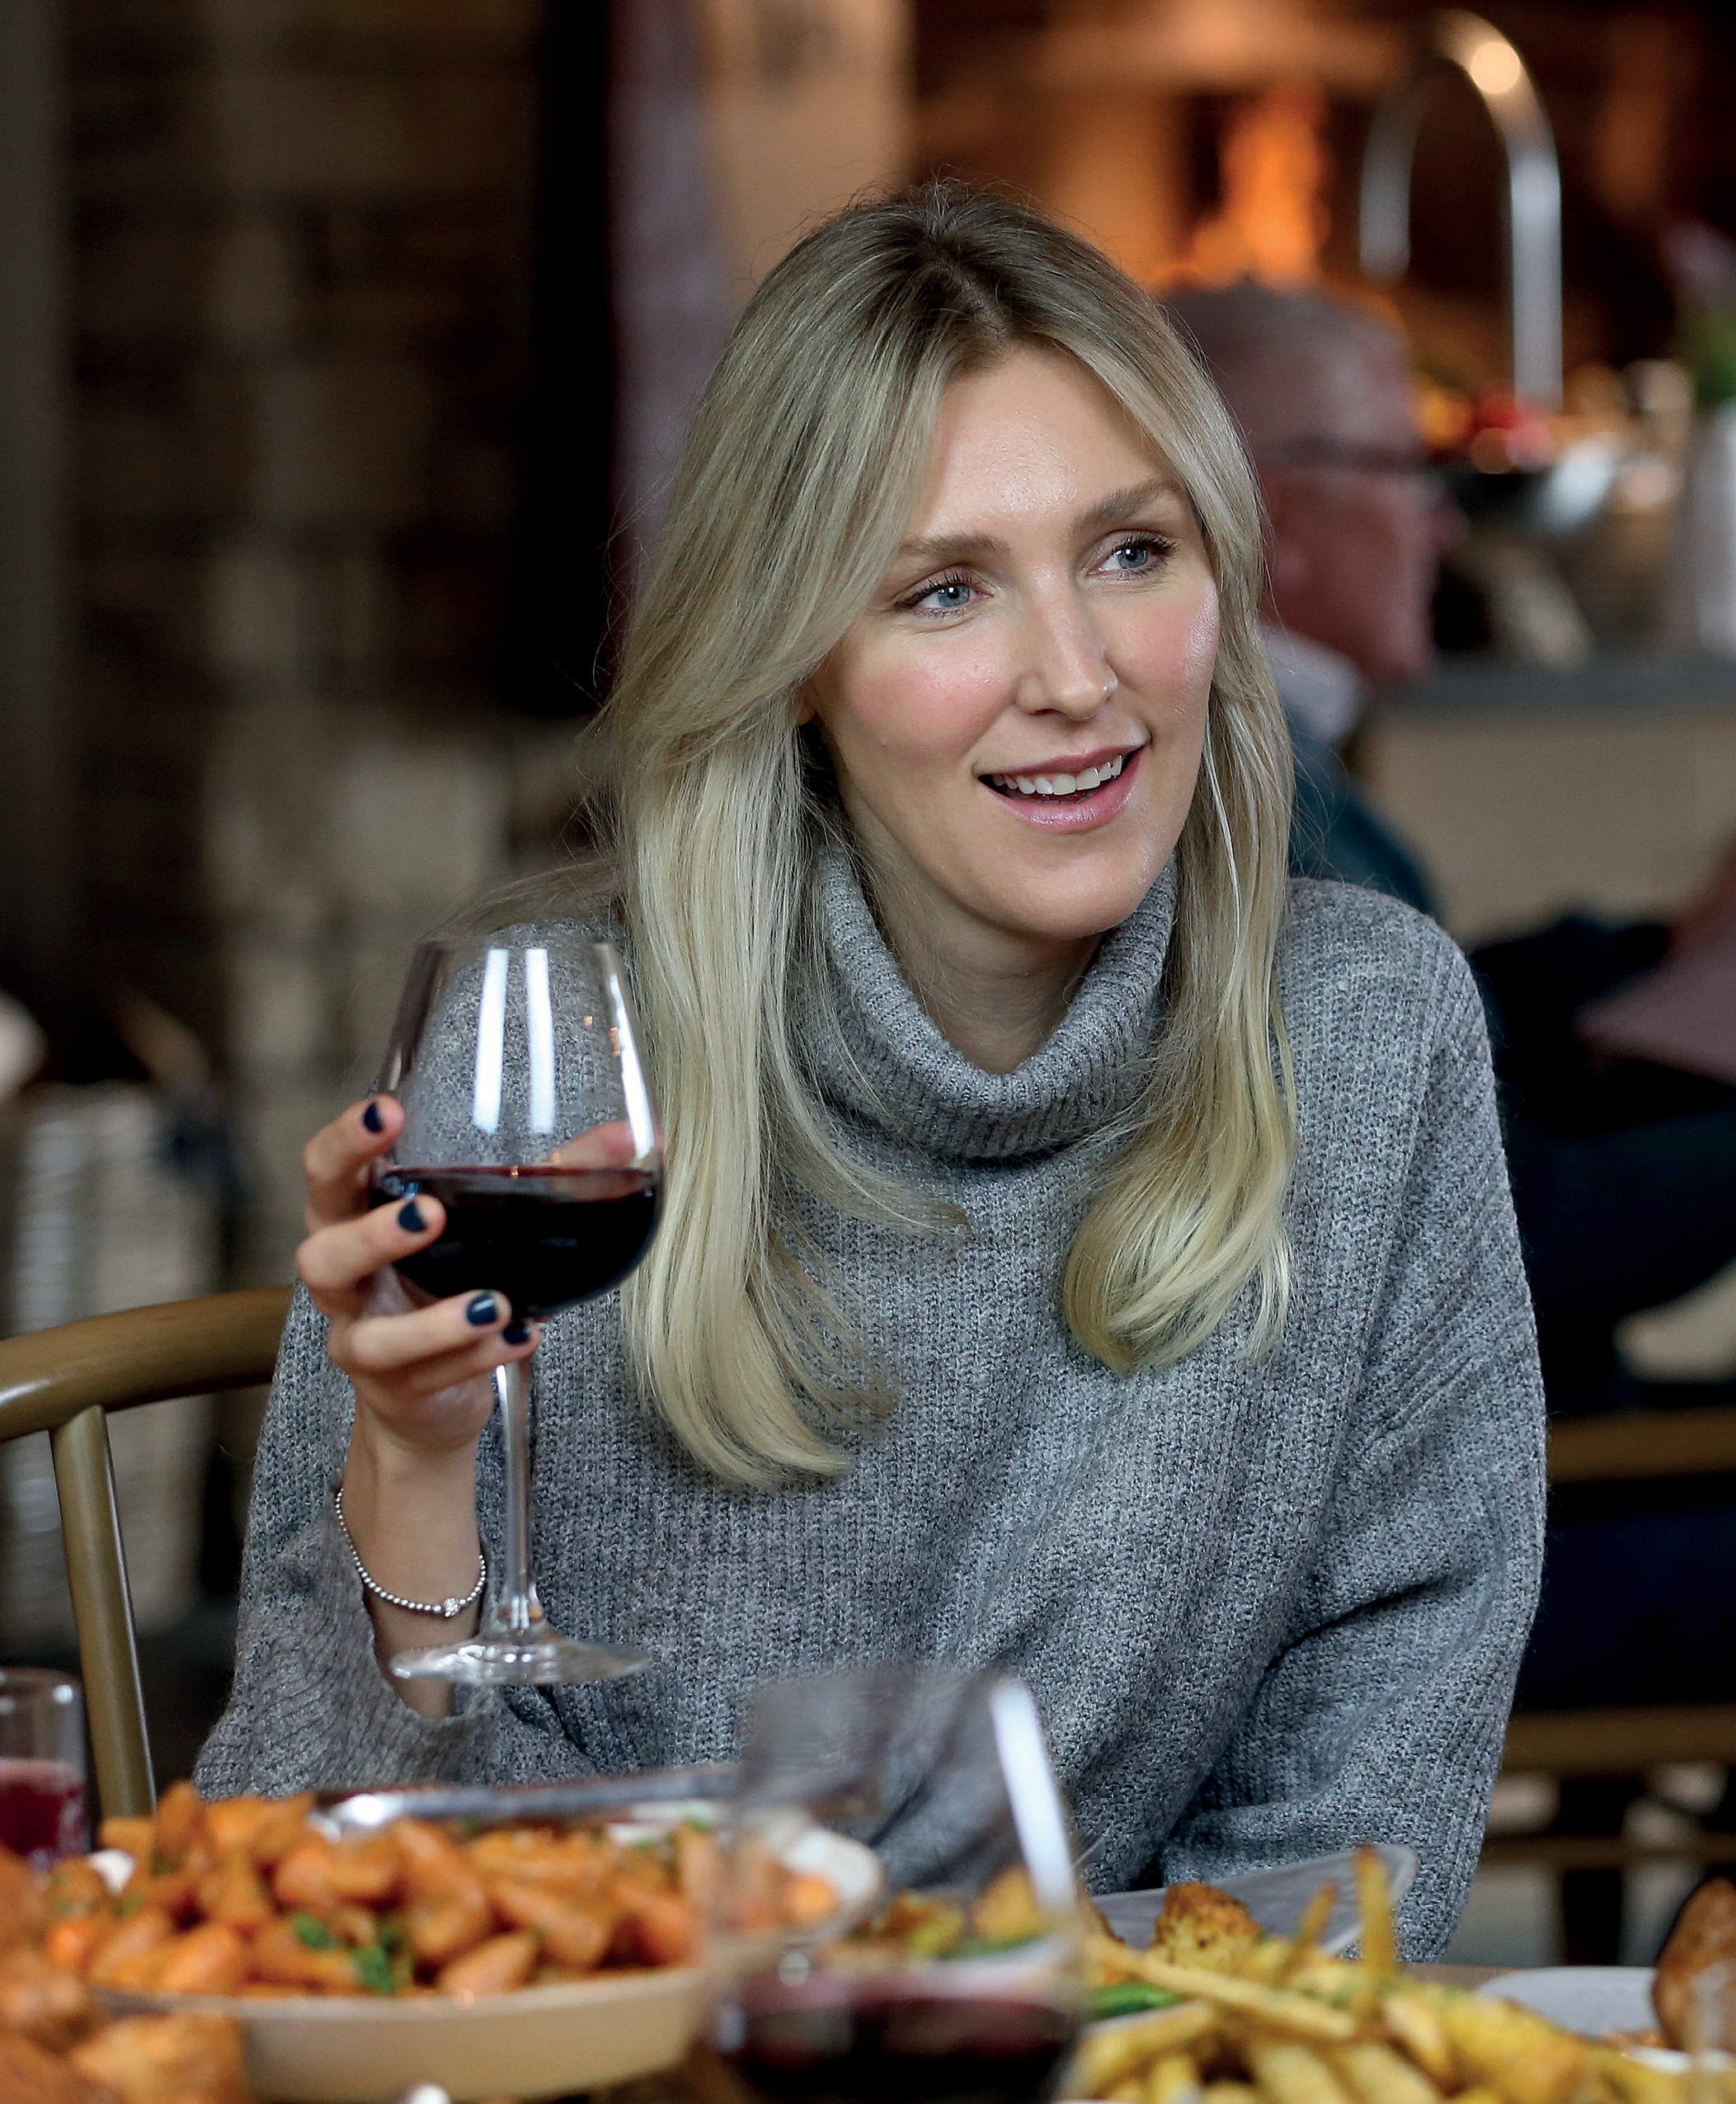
517, 1332
410, 1217
372, 1119
482, 1310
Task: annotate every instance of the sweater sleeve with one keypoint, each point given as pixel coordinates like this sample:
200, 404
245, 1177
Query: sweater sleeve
1381, 1717
311, 1708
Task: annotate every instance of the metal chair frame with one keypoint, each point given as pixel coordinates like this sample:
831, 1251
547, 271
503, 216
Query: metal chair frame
64, 1381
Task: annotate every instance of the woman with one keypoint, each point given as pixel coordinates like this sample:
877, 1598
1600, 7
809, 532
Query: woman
1079, 1254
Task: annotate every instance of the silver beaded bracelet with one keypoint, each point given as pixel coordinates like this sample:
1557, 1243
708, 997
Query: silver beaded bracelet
445, 1609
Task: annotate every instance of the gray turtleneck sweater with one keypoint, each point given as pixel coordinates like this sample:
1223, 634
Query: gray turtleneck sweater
1268, 1609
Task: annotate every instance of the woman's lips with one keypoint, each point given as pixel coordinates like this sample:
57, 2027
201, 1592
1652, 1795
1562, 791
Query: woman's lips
1073, 814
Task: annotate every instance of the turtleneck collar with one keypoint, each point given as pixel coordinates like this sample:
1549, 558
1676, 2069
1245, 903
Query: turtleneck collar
895, 1069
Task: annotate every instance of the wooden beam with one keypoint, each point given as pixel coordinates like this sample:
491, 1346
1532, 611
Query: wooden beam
1573, 1852
1642, 1444
1620, 1742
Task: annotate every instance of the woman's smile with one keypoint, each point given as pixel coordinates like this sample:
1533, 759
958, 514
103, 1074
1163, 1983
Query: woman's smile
1069, 797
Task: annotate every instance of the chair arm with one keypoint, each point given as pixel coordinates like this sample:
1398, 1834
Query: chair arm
180, 1348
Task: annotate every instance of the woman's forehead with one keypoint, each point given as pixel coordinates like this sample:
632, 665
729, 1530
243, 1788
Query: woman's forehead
1033, 433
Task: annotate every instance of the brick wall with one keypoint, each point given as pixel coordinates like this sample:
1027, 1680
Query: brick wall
301, 271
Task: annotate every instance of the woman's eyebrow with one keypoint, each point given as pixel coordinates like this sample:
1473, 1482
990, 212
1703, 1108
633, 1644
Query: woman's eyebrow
1120, 503
953, 548
1118, 506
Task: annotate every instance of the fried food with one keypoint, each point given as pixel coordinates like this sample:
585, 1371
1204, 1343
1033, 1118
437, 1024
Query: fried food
1273, 2022
1202, 1927
51, 2007
1108, 2056
31, 2074
244, 1896
1704, 1937
166, 2060
1516, 2053
24, 1907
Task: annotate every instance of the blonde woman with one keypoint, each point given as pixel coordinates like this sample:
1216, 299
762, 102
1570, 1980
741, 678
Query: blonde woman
1081, 1253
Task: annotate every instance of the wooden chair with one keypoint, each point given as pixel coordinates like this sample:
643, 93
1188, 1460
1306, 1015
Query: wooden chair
63, 1381
1629, 1446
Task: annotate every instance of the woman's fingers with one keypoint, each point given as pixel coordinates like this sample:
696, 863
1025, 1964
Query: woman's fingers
337, 1160
604, 1147
337, 1262
383, 1345
394, 1397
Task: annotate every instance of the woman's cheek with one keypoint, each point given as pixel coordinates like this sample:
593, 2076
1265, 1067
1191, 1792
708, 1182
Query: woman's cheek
1173, 657
941, 706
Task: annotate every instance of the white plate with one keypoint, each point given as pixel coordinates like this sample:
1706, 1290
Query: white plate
1276, 1898
1593, 2000
540, 2041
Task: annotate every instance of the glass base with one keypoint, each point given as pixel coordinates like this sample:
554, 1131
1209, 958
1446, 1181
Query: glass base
511, 1661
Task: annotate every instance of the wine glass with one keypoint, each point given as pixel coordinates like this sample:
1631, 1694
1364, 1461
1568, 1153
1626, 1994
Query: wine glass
965, 1981
528, 1114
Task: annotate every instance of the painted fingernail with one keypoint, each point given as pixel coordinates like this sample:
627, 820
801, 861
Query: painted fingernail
517, 1332
372, 1119
482, 1310
410, 1217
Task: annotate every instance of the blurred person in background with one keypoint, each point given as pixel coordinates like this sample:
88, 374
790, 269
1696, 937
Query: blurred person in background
1624, 1175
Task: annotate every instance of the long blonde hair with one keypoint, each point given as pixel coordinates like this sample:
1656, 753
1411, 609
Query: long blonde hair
796, 487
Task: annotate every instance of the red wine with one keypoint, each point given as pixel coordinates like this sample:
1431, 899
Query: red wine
541, 1237
831, 2040
42, 1815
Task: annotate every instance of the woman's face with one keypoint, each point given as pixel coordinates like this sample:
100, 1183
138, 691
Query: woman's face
1016, 721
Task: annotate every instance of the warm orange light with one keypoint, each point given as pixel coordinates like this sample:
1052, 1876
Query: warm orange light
1273, 221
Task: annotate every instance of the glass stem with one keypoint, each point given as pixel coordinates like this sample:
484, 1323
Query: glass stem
517, 1609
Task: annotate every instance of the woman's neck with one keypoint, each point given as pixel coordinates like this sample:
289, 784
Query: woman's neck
996, 995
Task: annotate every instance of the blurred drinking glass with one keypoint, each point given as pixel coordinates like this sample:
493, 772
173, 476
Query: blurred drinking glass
42, 1802
961, 1983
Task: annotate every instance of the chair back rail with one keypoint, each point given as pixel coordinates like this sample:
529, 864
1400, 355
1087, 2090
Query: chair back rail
63, 1381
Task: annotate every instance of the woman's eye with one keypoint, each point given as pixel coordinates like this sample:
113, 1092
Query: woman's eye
1135, 559
948, 596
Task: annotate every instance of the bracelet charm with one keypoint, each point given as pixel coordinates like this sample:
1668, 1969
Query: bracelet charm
444, 1610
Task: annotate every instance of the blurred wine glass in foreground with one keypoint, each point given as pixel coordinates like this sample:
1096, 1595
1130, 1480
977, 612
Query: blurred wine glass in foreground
42, 1801
963, 1987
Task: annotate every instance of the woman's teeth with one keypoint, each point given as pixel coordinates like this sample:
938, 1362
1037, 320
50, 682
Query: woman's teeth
1093, 777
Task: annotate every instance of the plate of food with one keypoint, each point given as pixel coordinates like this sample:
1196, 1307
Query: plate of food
1277, 1899
1217, 2005
508, 1948
1662, 2012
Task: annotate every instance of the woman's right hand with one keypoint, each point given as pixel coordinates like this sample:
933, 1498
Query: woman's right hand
419, 1371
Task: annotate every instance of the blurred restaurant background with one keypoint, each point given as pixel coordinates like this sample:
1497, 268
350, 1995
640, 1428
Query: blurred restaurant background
344, 350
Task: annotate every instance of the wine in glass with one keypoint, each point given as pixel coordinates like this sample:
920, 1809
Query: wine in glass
964, 1986
528, 1114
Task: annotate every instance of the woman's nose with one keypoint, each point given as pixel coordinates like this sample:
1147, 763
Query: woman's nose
1068, 669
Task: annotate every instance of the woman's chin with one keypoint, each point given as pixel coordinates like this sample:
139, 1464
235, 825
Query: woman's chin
1053, 914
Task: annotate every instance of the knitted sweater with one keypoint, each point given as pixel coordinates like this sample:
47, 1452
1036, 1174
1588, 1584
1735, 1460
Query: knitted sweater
1268, 1609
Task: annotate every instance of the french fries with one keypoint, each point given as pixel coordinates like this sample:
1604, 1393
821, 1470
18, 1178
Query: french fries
1273, 2021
